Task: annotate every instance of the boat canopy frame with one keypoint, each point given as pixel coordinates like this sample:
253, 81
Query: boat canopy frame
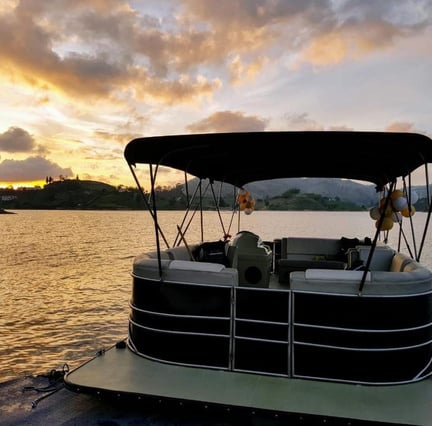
381, 158
239, 158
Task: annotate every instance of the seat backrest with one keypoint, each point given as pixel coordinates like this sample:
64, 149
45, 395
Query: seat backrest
403, 263
381, 258
305, 248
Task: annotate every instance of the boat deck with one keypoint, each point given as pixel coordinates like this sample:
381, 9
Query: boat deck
25, 401
120, 373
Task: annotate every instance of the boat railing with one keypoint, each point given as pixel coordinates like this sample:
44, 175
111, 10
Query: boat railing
202, 314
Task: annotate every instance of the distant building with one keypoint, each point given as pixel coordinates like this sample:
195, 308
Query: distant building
8, 197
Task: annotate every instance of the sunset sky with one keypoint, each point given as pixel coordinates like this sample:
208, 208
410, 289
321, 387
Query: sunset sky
80, 78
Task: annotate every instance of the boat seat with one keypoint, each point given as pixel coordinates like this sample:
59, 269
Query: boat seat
200, 273
401, 262
414, 279
184, 271
381, 259
286, 266
335, 275
212, 251
185, 265
180, 252
305, 248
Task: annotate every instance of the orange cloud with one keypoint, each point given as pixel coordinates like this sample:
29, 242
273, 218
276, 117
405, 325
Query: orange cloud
242, 73
107, 50
326, 49
400, 126
39, 55
75, 73
349, 42
228, 121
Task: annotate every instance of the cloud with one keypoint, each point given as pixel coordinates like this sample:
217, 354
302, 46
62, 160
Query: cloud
240, 15
241, 73
350, 42
355, 29
31, 169
302, 122
96, 50
16, 140
111, 51
85, 76
228, 121
400, 126
118, 138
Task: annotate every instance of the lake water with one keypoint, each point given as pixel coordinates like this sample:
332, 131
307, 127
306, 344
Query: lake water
65, 275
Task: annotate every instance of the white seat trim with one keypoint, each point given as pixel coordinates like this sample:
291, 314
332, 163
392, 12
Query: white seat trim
335, 275
187, 265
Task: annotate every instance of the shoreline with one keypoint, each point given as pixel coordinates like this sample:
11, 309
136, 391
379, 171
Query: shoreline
3, 211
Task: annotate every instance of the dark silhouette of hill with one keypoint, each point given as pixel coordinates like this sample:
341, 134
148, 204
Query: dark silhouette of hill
72, 194
294, 194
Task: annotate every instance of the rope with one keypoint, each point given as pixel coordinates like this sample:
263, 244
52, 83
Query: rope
56, 383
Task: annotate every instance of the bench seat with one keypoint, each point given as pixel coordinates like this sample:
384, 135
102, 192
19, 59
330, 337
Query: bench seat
184, 271
405, 277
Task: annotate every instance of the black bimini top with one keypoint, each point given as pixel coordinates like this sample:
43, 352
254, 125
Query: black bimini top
243, 157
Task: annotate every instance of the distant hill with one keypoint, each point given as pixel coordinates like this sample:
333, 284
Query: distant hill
282, 194
346, 190
72, 194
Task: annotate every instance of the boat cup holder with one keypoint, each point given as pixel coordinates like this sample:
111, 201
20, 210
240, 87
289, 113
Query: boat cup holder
253, 275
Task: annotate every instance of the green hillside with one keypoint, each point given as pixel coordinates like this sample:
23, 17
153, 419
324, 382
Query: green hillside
72, 194
93, 195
